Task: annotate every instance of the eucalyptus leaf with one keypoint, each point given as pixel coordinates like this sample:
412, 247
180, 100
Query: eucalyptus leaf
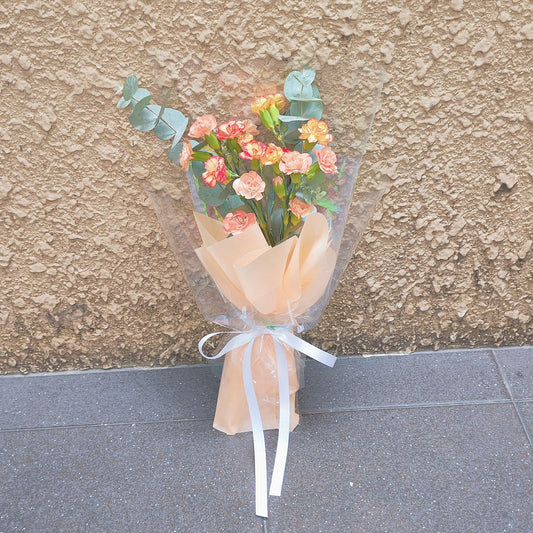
131, 85
197, 168
306, 99
172, 123
139, 95
232, 202
164, 105
292, 118
307, 109
123, 103
174, 153
211, 195
140, 105
292, 135
308, 75
296, 89
144, 122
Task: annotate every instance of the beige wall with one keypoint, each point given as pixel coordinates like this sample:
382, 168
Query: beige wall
86, 279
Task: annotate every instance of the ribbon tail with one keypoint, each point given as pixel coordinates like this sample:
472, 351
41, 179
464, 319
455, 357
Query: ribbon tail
261, 495
284, 420
307, 348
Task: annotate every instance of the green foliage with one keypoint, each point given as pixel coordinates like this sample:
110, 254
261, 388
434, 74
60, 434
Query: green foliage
174, 153
276, 221
171, 123
298, 84
213, 196
197, 168
305, 101
328, 204
232, 202
144, 118
167, 123
131, 85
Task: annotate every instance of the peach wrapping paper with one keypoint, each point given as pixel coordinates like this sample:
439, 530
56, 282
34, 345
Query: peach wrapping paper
278, 283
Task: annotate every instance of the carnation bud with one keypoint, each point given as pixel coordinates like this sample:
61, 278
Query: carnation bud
212, 141
279, 187
266, 119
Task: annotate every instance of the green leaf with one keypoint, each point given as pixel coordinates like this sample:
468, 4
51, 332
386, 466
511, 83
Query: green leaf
131, 85
123, 103
164, 105
277, 223
292, 118
144, 117
298, 84
197, 168
306, 99
139, 95
140, 105
176, 122
307, 109
200, 155
233, 202
211, 195
308, 76
174, 153
328, 204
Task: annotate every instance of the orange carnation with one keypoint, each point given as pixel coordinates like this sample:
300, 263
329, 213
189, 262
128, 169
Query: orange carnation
272, 155
316, 131
231, 130
252, 150
264, 102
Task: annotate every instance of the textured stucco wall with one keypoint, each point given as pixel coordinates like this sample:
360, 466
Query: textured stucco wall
86, 279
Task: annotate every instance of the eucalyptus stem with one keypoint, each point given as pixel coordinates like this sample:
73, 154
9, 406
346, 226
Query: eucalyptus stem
157, 115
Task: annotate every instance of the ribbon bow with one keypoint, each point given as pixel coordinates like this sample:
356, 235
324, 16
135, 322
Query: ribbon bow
280, 336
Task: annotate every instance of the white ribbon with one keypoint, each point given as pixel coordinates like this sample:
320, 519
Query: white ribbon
280, 337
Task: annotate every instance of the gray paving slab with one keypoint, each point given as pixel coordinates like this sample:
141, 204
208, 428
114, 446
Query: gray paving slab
132, 395
517, 367
189, 392
158, 477
426, 377
440, 469
450, 469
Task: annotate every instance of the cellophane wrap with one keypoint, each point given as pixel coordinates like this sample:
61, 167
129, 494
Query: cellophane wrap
242, 283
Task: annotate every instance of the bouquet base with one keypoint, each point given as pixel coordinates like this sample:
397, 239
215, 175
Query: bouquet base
232, 414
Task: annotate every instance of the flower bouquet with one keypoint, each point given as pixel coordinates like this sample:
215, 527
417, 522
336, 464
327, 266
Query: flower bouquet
269, 228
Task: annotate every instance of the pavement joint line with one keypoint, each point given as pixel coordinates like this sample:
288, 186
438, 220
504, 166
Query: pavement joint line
511, 395
391, 407
444, 352
386, 407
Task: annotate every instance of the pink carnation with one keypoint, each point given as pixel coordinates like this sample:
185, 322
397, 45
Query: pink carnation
250, 185
300, 208
293, 162
203, 126
186, 155
215, 171
250, 127
326, 160
238, 222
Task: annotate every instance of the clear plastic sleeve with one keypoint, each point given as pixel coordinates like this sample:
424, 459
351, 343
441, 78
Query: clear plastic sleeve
241, 282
